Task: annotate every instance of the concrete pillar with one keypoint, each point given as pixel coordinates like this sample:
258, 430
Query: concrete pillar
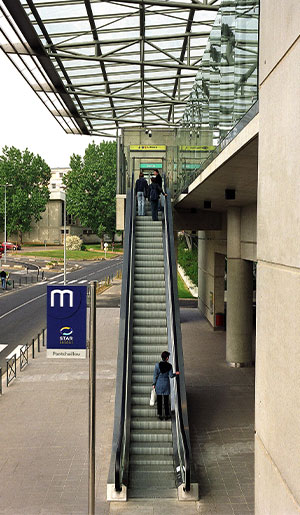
176, 245
219, 286
239, 296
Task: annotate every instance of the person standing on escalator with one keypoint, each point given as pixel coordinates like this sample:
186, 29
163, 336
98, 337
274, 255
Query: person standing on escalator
163, 372
154, 192
141, 191
158, 180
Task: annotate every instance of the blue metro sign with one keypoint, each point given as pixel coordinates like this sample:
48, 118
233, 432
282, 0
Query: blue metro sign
66, 321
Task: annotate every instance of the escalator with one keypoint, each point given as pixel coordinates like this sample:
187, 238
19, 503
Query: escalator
151, 458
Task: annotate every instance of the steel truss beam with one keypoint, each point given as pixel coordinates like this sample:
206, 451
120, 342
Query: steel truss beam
140, 76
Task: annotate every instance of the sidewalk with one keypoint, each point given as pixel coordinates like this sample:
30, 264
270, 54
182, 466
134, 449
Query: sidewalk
44, 428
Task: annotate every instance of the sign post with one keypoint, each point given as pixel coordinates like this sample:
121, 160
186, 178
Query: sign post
92, 399
105, 248
66, 321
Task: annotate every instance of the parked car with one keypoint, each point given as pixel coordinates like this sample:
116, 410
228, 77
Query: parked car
10, 246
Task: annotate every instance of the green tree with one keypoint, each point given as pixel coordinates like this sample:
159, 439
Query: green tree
91, 188
26, 199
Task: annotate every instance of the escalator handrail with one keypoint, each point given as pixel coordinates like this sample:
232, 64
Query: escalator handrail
118, 480
173, 321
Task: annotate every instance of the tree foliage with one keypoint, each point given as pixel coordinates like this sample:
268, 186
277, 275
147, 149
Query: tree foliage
91, 188
26, 198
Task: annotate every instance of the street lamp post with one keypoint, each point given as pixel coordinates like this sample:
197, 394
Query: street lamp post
5, 186
65, 239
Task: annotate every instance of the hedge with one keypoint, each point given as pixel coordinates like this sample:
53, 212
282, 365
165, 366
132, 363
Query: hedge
188, 259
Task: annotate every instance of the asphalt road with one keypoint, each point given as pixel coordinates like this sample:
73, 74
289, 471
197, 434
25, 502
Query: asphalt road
23, 312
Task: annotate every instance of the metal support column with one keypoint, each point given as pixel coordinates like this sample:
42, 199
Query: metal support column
92, 398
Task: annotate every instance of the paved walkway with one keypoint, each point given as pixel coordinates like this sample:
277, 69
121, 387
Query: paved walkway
44, 428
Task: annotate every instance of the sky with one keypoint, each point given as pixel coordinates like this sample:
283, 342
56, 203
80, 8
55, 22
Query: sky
26, 123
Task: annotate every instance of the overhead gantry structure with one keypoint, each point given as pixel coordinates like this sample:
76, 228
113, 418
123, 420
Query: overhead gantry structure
100, 66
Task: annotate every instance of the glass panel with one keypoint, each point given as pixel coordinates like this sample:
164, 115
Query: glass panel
225, 86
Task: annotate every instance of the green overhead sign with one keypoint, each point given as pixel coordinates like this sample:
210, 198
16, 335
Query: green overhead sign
151, 165
190, 166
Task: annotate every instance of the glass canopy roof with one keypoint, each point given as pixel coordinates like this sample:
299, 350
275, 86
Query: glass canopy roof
99, 66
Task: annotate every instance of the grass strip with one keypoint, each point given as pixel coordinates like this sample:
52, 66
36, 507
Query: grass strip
183, 291
71, 254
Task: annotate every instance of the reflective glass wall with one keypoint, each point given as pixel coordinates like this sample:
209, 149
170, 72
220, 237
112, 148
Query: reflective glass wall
226, 87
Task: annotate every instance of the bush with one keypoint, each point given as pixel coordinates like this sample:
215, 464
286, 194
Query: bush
188, 259
73, 243
83, 247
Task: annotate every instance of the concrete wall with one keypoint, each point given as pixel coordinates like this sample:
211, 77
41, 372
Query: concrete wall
48, 228
212, 249
249, 232
278, 285
211, 271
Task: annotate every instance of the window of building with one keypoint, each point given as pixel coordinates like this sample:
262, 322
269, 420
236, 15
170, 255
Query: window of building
53, 185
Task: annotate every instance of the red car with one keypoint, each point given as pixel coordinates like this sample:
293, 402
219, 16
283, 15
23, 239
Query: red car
10, 246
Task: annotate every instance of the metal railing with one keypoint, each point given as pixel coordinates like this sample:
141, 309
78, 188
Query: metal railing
26, 280
24, 356
11, 363
125, 337
174, 339
187, 180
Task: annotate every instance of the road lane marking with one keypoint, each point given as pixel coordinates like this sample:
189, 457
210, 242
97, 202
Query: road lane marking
3, 346
16, 351
43, 294
84, 281
21, 305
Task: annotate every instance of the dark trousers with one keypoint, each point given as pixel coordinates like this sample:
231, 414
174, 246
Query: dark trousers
166, 405
154, 210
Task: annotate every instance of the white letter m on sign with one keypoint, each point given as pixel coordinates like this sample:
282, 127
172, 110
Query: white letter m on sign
61, 294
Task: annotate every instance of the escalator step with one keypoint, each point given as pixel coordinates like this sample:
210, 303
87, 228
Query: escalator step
140, 400
148, 315
148, 307
142, 469
141, 389
150, 322
139, 368
144, 412
151, 437
144, 271
150, 424
146, 261
150, 297
149, 349
151, 448
147, 246
146, 357
137, 460
158, 479
154, 477
142, 279
147, 379
149, 331
142, 288
149, 240
152, 493
142, 311
150, 339
151, 252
